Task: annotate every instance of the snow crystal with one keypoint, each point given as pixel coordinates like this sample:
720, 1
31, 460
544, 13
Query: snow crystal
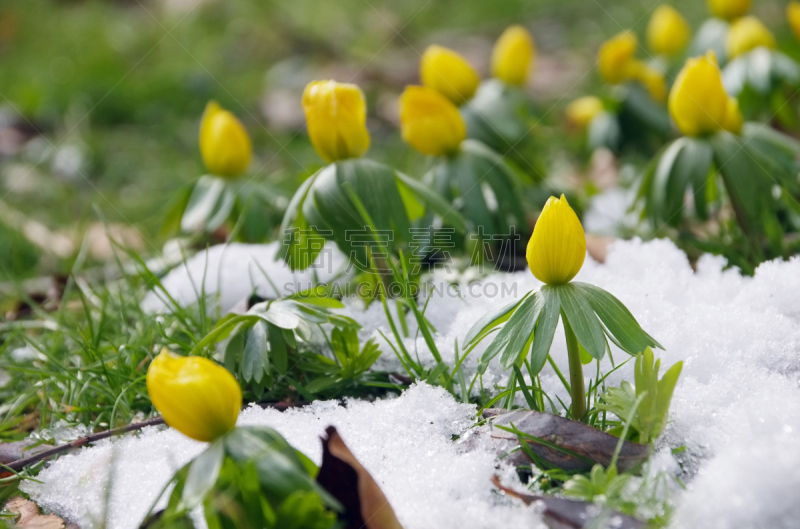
736, 408
405, 443
228, 273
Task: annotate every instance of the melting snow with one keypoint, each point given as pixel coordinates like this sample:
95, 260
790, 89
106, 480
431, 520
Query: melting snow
736, 407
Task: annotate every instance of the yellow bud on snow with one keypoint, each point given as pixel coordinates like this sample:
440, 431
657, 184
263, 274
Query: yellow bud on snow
513, 55
745, 34
698, 102
224, 143
583, 110
557, 247
668, 32
793, 15
430, 122
729, 9
336, 116
615, 56
196, 396
448, 73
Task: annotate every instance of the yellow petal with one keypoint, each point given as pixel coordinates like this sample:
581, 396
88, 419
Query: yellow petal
448, 73
729, 9
698, 101
336, 115
733, 117
224, 143
430, 122
583, 110
668, 32
513, 55
793, 15
558, 245
653, 80
615, 55
196, 396
745, 34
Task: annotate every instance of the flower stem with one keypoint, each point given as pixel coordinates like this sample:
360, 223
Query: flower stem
576, 384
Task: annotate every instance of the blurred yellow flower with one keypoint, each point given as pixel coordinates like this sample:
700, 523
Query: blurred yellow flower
196, 396
652, 79
615, 57
448, 73
583, 110
558, 245
668, 32
430, 122
745, 34
336, 116
793, 14
513, 55
698, 102
733, 117
224, 143
729, 9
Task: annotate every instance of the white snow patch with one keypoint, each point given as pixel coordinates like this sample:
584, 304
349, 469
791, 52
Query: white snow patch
736, 407
228, 273
405, 443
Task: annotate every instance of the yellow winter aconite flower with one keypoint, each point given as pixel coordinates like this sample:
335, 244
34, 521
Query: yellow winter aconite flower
698, 102
513, 55
729, 9
583, 110
558, 245
668, 32
224, 143
336, 116
430, 122
745, 34
793, 15
615, 57
448, 73
652, 79
196, 396
733, 117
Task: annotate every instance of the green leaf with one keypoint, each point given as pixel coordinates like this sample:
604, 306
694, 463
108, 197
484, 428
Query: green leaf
522, 322
234, 351
621, 325
545, 329
209, 205
433, 201
202, 476
510, 329
489, 321
277, 348
317, 295
255, 357
581, 317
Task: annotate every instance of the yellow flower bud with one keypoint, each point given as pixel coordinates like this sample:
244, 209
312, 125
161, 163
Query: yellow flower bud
336, 115
793, 15
698, 102
512, 56
448, 73
558, 245
733, 117
652, 79
729, 9
615, 56
196, 396
430, 122
745, 34
583, 110
224, 143
668, 32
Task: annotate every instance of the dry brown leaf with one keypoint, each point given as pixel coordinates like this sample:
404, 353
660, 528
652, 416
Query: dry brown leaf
30, 517
343, 476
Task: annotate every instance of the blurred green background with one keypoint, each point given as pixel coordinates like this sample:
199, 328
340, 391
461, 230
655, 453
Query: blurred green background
100, 100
